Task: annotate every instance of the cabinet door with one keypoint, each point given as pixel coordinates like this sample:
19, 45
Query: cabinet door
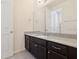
41, 52
54, 55
72, 53
27, 42
37, 50
34, 49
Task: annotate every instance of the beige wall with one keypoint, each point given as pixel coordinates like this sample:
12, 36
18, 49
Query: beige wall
23, 21
23, 16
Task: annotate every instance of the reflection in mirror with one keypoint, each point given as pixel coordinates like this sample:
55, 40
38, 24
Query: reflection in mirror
53, 20
38, 18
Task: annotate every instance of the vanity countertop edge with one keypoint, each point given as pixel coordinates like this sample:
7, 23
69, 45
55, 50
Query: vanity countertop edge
65, 41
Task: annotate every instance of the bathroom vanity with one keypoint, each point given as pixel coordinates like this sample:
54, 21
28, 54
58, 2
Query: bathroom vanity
50, 46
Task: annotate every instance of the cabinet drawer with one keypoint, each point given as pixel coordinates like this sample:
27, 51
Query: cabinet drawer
39, 41
61, 49
54, 55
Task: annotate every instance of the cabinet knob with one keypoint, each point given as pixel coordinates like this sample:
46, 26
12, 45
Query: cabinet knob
48, 51
35, 45
11, 31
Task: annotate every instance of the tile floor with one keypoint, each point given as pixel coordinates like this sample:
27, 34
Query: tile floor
22, 55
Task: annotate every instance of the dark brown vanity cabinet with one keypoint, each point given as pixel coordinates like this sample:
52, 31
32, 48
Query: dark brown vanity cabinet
37, 49
43, 49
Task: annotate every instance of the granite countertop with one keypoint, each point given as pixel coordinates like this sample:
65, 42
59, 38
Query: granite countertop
66, 39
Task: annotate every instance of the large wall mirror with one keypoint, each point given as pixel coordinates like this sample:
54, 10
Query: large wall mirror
59, 18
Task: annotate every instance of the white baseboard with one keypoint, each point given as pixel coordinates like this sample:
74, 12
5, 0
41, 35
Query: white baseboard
8, 55
17, 51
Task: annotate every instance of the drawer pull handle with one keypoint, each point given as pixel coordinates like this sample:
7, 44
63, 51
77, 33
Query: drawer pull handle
56, 48
35, 45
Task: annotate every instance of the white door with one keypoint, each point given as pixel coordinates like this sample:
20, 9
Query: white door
7, 28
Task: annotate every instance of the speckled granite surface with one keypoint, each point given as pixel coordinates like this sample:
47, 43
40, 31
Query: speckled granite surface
66, 39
